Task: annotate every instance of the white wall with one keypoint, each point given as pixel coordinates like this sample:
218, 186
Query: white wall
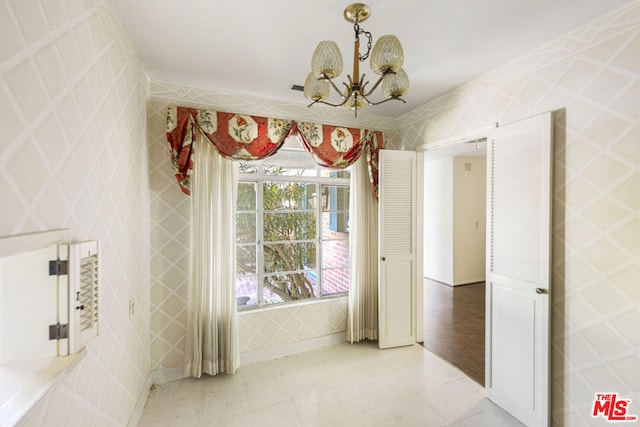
73, 155
592, 78
454, 219
438, 219
469, 219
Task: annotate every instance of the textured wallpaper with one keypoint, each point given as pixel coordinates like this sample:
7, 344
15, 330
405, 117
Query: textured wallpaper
591, 78
73, 154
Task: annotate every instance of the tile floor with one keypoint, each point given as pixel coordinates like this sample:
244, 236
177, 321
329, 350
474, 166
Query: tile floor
339, 385
454, 325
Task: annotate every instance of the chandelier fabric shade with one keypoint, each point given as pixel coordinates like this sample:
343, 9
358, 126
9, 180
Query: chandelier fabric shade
386, 60
247, 137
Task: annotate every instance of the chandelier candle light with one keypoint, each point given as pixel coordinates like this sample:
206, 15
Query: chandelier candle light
386, 60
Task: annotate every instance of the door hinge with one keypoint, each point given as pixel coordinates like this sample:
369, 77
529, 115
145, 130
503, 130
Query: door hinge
58, 267
58, 331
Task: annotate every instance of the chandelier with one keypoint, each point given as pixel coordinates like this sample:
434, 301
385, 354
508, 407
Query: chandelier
386, 60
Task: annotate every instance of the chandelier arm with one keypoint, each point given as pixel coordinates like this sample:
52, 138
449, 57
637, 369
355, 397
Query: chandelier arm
348, 88
363, 85
363, 96
379, 81
388, 99
343, 95
319, 101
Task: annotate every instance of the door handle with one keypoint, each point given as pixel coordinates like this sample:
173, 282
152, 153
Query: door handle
383, 259
541, 291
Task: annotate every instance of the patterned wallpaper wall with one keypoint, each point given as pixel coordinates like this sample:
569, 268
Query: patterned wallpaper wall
259, 330
592, 79
73, 109
73, 154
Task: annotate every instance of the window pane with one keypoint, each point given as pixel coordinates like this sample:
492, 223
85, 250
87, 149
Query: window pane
335, 225
289, 226
335, 253
246, 200
272, 297
246, 260
289, 257
337, 198
289, 287
335, 281
248, 167
245, 227
288, 196
246, 291
276, 242
289, 162
279, 170
314, 198
332, 173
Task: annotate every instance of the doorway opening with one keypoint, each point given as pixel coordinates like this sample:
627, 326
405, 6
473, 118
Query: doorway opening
454, 254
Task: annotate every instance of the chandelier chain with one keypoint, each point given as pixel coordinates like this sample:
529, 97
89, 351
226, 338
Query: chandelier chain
359, 31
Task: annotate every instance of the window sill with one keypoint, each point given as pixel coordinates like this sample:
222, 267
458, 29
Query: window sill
269, 307
24, 385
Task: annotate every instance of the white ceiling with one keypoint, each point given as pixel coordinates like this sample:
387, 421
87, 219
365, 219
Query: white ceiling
261, 48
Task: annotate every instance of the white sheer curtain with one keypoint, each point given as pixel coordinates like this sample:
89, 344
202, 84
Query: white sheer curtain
363, 254
212, 330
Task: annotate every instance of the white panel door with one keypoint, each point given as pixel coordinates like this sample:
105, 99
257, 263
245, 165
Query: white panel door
397, 231
518, 268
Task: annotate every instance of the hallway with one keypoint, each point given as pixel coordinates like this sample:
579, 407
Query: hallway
454, 325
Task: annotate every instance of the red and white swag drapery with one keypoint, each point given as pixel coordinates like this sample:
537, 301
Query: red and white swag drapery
246, 137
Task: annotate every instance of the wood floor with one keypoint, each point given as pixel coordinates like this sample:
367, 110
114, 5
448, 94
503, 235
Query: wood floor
454, 325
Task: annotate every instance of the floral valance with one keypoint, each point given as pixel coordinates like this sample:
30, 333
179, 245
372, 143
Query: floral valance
332, 147
247, 137
236, 136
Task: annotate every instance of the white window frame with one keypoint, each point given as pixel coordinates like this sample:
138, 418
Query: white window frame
259, 178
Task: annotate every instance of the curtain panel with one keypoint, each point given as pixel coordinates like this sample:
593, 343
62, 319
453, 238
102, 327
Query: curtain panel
362, 323
212, 331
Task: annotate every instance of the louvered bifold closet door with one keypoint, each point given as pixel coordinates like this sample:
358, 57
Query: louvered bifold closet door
518, 268
84, 280
397, 248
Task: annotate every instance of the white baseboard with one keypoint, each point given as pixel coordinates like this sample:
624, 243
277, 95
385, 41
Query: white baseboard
291, 348
134, 419
161, 376
468, 282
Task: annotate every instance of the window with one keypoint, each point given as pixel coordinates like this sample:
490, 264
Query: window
292, 230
